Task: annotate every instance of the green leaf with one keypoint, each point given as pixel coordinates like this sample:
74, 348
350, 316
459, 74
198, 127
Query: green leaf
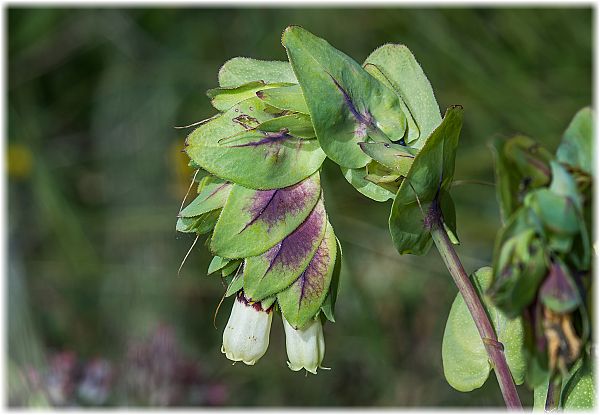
328, 306
465, 359
576, 147
520, 265
401, 69
231, 267
579, 392
521, 165
268, 302
267, 274
238, 71
217, 263
213, 195
540, 394
432, 169
286, 98
253, 221
200, 224
301, 301
346, 103
558, 214
412, 130
236, 284
396, 157
356, 177
230, 147
563, 184
225, 98
298, 125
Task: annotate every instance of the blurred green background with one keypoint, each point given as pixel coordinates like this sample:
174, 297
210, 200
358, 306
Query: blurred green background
97, 312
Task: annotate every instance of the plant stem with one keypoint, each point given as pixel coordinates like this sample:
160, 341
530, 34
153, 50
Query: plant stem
494, 348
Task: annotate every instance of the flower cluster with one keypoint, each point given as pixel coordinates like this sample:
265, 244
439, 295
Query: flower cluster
258, 170
542, 264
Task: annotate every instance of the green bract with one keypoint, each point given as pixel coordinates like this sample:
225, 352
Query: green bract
253, 221
356, 177
212, 195
403, 72
287, 98
576, 147
225, 98
304, 297
521, 165
579, 392
232, 147
465, 359
239, 71
277, 268
431, 173
346, 103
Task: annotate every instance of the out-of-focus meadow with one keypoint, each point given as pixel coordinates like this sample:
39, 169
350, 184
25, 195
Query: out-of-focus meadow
97, 314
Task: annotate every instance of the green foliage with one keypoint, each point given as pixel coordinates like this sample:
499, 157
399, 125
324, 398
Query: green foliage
287, 98
277, 268
233, 147
399, 66
346, 103
542, 254
579, 392
521, 165
380, 123
225, 98
239, 71
116, 202
356, 177
213, 193
465, 359
432, 171
253, 221
576, 147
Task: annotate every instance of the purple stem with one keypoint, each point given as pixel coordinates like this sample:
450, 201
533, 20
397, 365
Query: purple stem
494, 348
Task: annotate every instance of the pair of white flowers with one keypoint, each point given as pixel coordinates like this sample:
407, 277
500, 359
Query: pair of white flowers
246, 337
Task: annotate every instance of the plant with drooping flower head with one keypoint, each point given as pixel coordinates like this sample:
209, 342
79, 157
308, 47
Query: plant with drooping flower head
261, 201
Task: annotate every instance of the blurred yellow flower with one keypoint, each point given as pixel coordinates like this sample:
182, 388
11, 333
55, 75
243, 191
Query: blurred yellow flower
19, 161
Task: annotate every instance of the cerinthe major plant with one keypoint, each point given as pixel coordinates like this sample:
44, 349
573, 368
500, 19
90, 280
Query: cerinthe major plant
261, 203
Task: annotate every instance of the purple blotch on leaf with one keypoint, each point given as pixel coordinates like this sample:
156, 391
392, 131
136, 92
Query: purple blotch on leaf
294, 248
270, 138
273, 206
311, 282
364, 120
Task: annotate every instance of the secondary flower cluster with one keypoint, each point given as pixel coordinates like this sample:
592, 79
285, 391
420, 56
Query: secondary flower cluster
542, 256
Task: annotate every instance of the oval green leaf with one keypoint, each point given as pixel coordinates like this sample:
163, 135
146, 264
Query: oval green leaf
346, 103
230, 147
401, 69
465, 359
239, 71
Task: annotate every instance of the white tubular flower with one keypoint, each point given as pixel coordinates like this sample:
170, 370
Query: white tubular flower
305, 346
246, 336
